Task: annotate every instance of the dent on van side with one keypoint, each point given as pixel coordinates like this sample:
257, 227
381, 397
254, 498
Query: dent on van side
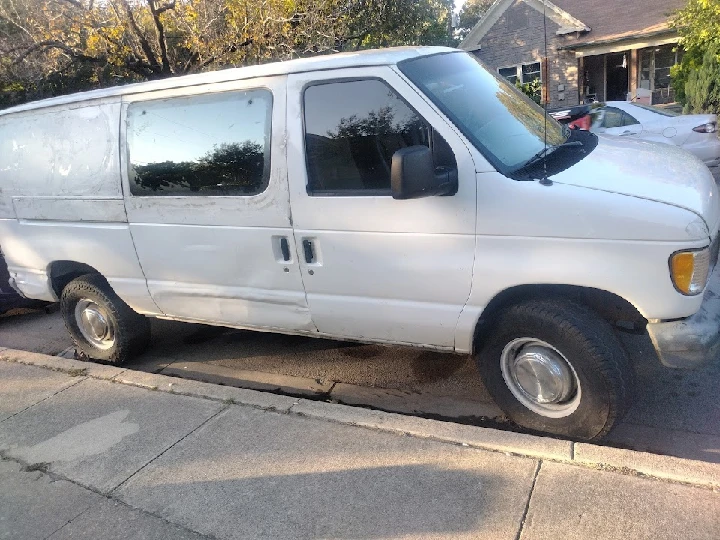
402, 196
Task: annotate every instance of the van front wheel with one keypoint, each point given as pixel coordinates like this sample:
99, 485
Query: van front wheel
556, 367
102, 326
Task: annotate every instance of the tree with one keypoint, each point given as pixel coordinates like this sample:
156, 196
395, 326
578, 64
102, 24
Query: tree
532, 89
702, 89
229, 167
699, 27
470, 14
101, 42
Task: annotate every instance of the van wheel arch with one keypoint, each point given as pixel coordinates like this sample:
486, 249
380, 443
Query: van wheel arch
63, 272
613, 308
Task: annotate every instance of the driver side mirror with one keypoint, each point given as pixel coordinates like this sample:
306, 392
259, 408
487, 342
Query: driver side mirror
413, 175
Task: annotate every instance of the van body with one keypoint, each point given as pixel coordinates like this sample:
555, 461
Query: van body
404, 196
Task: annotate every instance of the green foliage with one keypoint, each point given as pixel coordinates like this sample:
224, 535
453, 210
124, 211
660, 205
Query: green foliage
699, 24
702, 89
470, 14
691, 61
699, 27
51, 47
233, 168
532, 89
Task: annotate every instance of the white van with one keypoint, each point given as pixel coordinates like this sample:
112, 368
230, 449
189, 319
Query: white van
404, 196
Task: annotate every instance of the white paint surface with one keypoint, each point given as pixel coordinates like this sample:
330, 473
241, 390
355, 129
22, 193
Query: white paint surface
675, 130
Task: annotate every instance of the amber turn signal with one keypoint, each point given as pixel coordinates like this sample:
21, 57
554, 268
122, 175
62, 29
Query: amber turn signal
689, 270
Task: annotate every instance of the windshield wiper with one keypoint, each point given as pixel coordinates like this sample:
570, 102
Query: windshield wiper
542, 154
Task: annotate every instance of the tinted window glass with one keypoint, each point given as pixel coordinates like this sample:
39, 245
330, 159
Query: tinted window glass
352, 130
613, 118
201, 145
629, 120
500, 121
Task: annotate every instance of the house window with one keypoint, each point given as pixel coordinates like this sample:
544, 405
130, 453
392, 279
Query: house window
530, 72
654, 75
523, 73
509, 73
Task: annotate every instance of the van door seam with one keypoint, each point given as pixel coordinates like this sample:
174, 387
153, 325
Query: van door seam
124, 199
289, 192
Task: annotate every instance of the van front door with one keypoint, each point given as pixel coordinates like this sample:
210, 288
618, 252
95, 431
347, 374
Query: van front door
207, 200
376, 268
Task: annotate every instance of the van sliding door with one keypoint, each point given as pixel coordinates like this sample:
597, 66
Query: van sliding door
206, 194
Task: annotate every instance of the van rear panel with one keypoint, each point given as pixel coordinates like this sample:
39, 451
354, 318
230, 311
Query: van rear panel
61, 198
61, 152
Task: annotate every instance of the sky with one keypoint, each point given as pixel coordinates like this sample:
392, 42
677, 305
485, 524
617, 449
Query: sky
458, 5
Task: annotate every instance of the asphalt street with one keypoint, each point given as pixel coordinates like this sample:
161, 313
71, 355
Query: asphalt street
675, 412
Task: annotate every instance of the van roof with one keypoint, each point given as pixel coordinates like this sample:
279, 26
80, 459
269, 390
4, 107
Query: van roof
372, 57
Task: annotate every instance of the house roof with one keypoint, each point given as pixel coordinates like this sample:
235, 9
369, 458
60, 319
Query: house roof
566, 22
616, 20
595, 21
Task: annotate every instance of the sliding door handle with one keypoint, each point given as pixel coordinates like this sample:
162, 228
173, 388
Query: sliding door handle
309, 252
285, 249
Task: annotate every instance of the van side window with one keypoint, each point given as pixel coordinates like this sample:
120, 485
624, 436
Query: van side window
352, 130
215, 144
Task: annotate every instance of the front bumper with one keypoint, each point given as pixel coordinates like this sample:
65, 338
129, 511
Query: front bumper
688, 343
708, 150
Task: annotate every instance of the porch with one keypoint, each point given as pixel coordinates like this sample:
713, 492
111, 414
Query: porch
640, 73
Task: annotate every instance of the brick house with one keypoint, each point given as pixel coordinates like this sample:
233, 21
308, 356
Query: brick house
603, 50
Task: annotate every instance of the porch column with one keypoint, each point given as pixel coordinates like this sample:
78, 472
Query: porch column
581, 79
633, 71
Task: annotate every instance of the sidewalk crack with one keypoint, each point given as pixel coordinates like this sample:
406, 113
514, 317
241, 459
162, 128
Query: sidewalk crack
54, 476
68, 522
181, 439
527, 503
81, 379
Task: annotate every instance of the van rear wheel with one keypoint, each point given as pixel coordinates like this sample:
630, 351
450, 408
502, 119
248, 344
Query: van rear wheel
102, 326
556, 367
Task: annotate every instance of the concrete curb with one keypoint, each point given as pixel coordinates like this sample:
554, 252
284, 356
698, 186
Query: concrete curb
686, 471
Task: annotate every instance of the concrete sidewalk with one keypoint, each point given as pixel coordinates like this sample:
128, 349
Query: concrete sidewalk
93, 451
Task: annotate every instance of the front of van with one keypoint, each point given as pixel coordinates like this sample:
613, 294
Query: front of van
516, 138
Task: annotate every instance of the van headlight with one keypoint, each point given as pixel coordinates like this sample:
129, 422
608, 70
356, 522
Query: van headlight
690, 270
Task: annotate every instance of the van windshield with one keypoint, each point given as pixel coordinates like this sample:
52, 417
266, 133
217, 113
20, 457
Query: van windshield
504, 124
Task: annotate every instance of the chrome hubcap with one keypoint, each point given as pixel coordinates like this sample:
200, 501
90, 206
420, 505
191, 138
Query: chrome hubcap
540, 377
95, 324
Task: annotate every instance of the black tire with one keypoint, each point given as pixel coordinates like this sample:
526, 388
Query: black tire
131, 330
590, 346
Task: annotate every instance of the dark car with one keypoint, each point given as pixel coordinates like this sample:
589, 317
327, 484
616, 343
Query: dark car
577, 117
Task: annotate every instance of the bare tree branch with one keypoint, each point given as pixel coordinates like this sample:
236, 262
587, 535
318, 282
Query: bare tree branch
144, 44
50, 44
161, 32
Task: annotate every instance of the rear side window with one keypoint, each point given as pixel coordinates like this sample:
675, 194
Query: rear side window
200, 145
352, 130
616, 118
